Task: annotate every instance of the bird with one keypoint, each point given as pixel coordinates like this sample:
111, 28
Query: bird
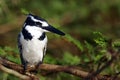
32, 40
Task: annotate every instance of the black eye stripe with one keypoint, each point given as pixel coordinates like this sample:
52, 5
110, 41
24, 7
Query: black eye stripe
29, 22
38, 23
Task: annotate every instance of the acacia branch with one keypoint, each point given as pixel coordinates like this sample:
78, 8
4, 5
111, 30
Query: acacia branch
13, 72
48, 67
15, 69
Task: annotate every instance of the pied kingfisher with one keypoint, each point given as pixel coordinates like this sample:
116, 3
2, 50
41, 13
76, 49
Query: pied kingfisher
32, 40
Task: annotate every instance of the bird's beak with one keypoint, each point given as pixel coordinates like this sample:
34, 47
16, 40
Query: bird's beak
54, 30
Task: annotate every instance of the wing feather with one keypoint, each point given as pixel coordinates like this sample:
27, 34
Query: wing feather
20, 49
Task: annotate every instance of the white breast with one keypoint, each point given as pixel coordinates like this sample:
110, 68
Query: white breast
32, 50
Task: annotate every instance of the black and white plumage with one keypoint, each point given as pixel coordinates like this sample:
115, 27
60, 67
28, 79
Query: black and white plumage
32, 41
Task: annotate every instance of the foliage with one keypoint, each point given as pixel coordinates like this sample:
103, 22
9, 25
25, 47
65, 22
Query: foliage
79, 18
24, 11
92, 57
49, 59
10, 53
116, 44
69, 59
74, 41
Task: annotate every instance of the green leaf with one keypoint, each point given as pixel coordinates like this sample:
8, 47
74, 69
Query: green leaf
74, 41
97, 58
24, 11
9, 53
89, 47
116, 43
2, 52
69, 59
99, 39
49, 59
14, 59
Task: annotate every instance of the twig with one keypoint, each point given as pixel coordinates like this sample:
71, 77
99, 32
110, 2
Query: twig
50, 67
10, 71
15, 69
68, 69
108, 63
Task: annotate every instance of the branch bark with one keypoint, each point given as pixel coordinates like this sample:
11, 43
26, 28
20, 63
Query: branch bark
13, 72
48, 67
17, 70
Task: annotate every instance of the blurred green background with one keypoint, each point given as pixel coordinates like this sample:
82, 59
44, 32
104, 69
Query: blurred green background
78, 18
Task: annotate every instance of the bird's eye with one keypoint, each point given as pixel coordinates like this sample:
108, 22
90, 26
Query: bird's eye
38, 23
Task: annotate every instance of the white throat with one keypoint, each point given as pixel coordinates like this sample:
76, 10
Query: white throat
36, 32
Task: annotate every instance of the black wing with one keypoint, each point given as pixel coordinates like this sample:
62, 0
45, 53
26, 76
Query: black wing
20, 49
